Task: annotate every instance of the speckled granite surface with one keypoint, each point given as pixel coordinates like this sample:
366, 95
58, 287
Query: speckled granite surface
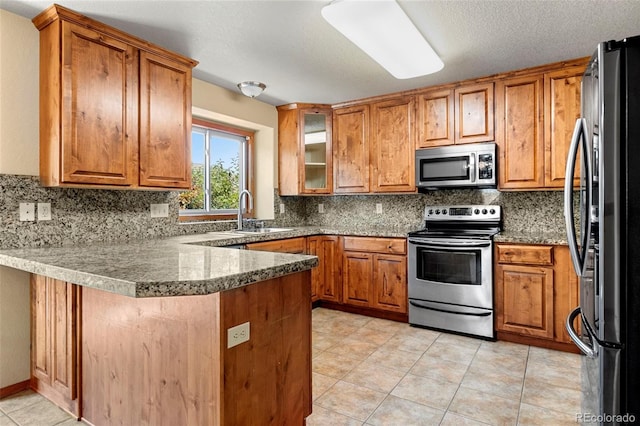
553, 238
157, 267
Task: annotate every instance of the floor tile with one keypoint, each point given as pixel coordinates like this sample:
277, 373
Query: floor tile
531, 415
398, 360
323, 417
43, 413
398, 411
372, 335
353, 348
418, 333
451, 352
333, 365
386, 325
410, 344
323, 341
496, 383
6, 421
19, 400
337, 327
440, 369
433, 393
514, 365
452, 419
320, 384
545, 395
459, 341
484, 407
554, 358
374, 376
554, 374
351, 400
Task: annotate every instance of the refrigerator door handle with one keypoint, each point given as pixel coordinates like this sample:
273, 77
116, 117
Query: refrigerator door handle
578, 135
589, 351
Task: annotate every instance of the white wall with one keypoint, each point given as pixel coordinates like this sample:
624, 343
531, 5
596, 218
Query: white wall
19, 82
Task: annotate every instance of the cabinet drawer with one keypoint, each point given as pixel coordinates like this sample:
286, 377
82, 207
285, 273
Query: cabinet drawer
376, 245
530, 255
290, 245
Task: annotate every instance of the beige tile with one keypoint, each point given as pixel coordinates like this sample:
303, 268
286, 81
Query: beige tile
6, 421
493, 382
397, 411
336, 327
531, 415
386, 325
372, 335
554, 358
514, 365
353, 319
353, 348
398, 360
459, 341
453, 419
320, 384
322, 313
542, 394
484, 407
351, 400
504, 348
72, 422
324, 341
333, 365
433, 393
554, 374
43, 413
451, 352
374, 376
410, 344
439, 369
418, 332
323, 417
20, 400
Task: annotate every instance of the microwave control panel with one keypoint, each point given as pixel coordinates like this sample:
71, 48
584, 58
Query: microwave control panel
485, 166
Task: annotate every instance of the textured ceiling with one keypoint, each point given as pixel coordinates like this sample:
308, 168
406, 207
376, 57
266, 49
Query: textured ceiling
301, 58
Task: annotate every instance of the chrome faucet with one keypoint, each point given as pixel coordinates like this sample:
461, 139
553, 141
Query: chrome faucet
244, 191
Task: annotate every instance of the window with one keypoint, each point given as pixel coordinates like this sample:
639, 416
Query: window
220, 169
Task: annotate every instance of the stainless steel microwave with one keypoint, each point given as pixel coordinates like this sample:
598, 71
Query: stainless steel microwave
456, 166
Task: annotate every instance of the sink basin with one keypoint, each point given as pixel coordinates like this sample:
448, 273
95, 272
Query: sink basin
261, 230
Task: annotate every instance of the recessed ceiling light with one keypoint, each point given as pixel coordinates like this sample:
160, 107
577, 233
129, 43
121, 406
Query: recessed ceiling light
384, 32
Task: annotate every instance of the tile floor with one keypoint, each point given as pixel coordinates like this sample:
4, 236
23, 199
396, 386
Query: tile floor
368, 371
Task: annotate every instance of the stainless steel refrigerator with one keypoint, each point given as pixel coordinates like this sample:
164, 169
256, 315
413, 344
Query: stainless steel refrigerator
603, 228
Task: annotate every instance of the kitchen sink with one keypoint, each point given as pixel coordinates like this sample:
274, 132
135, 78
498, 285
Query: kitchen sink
261, 230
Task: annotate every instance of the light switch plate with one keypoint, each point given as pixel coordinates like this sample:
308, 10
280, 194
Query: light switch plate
238, 334
379, 208
27, 212
44, 211
320, 208
281, 208
160, 210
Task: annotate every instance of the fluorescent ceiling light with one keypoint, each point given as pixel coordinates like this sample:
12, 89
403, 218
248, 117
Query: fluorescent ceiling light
384, 32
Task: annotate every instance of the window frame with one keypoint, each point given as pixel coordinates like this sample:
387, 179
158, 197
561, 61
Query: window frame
249, 135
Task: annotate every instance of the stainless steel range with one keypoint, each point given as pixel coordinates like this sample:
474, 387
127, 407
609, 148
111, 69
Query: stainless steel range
451, 269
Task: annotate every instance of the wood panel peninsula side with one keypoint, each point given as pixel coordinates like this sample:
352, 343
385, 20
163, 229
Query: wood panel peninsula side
138, 333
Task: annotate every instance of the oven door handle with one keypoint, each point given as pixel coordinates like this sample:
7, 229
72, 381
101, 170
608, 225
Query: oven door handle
448, 243
484, 313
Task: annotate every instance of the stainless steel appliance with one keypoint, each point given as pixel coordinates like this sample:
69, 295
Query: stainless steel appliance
462, 166
450, 269
605, 247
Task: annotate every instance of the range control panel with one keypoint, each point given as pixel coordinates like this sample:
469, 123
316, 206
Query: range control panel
468, 212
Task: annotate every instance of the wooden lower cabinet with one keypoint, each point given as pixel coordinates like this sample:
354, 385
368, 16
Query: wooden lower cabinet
55, 333
390, 282
288, 245
358, 278
535, 289
326, 277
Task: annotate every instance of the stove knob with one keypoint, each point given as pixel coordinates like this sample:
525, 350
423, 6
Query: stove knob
476, 211
437, 211
492, 211
484, 211
430, 211
444, 211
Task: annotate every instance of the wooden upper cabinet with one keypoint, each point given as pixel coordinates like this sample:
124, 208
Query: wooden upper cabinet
561, 110
393, 145
474, 107
304, 149
115, 110
351, 149
519, 136
436, 117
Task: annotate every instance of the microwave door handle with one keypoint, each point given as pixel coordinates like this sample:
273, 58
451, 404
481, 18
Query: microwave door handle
589, 351
472, 167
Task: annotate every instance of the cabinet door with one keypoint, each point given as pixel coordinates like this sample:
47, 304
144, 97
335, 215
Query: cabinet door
474, 113
566, 292
393, 146
165, 123
99, 111
358, 278
436, 118
519, 136
524, 300
351, 149
561, 110
315, 149
325, 277
288, 245
390, 283
40, 329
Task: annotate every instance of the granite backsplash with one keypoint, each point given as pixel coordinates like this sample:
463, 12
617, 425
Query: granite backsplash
82, 216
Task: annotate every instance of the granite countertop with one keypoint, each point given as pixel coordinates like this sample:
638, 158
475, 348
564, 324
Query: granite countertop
554, 238
194, 264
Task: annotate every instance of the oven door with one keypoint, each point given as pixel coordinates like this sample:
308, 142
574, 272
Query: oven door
456, 271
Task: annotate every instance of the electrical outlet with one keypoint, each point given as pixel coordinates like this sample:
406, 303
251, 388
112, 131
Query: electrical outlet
159, 210
281, 208
44, 211
379, 208
320, 208
27, 212
238, 334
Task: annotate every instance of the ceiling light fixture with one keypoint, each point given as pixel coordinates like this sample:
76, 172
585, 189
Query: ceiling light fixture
385, 33
251, 88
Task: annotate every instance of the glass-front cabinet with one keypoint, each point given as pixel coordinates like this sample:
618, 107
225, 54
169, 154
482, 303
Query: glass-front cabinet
304, 149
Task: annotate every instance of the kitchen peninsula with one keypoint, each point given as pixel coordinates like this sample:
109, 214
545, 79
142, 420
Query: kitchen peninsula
137, 333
